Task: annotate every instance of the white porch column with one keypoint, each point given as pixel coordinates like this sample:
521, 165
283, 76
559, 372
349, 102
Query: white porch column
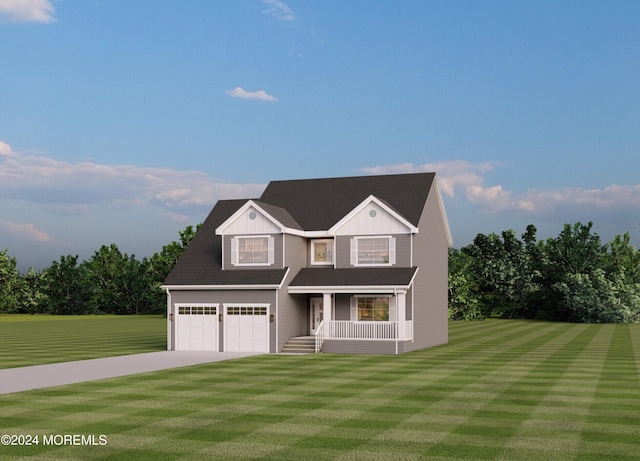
327, 307
401, 313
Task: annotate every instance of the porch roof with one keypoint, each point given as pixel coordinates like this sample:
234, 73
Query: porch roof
362, 279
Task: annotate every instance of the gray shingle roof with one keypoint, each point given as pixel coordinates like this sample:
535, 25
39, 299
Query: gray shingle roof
361, 276
317, 204
310, 204
201, 263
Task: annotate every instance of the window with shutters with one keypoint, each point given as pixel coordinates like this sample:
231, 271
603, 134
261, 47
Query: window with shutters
373, 251
252, 251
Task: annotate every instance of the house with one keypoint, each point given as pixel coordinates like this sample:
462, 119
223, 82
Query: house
359, 264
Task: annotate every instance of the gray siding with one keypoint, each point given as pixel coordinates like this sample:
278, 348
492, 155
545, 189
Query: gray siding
403, 251
342, 306
430, 294
339, 346
277, 254
292, 318
296, 251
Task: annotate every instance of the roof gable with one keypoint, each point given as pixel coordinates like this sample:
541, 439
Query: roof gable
318, 204
258, 218
372, 216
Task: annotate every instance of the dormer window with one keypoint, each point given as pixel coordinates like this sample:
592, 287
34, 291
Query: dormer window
322, 252
252, 251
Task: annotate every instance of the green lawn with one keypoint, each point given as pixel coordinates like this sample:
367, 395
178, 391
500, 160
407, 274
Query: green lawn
39, 339
501, 389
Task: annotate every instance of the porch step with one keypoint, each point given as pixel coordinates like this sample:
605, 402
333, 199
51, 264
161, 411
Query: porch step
300, 345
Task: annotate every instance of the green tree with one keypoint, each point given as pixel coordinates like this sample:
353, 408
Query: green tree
66, 289
502, 273
587, 281
10, 284
463, 300
117, 281
32, 296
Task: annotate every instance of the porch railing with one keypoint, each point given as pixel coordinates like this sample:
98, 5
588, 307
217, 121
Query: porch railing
319, 334
345, 329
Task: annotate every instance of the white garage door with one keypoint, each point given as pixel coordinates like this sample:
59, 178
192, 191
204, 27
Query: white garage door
247, 329
197, 328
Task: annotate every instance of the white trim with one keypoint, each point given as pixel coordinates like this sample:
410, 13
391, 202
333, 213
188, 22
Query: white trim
170, 318
410, 227
221, 229
312, 243
354, 250
220, 287
276, 319
235, 251
353, 302
353, 289
443, 212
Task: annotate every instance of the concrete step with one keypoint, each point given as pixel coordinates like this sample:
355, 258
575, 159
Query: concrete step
300, 345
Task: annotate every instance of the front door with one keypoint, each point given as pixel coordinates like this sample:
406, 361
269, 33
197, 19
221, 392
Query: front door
315, 314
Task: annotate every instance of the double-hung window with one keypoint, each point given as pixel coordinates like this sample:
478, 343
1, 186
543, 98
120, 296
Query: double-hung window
252, 251
373, 251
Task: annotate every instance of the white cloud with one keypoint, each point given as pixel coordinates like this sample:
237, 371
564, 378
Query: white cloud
5, 149
78, 188
278, 10
464, 178
24, 231
27, 10
239, 92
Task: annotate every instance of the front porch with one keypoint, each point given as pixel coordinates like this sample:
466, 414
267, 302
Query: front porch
346, 329
362, 331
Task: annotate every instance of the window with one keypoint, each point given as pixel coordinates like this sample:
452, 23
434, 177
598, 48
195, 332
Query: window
322, 252
246, 310
252, 251
197, 310
373, 251
373, 309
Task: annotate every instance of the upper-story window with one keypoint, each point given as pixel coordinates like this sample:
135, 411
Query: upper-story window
252, 251
322, 251
373, 251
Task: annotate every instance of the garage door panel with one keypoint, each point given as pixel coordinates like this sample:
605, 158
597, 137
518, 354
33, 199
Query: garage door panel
246, 329
197, 328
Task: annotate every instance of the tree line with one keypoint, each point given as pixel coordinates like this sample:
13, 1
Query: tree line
110, 282
573, 277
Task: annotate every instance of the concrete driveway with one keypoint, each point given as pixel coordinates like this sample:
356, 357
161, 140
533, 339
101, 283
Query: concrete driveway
57, 374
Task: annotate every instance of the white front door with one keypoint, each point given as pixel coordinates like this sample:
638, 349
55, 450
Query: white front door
315, 314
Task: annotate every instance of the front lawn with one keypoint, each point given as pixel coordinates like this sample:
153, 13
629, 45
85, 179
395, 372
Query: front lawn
39, 339
501, 389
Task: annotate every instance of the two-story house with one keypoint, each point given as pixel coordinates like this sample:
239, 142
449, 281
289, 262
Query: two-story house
357, 263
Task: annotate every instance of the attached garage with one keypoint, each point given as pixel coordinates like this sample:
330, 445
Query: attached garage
197, 327
246, 328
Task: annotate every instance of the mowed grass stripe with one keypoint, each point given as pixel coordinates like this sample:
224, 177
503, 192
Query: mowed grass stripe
498, 390
66, 338
612, 427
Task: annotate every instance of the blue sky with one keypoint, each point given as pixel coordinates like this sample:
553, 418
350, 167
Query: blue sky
123, 122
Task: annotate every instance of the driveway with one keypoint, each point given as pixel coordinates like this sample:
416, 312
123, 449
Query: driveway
57, 374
